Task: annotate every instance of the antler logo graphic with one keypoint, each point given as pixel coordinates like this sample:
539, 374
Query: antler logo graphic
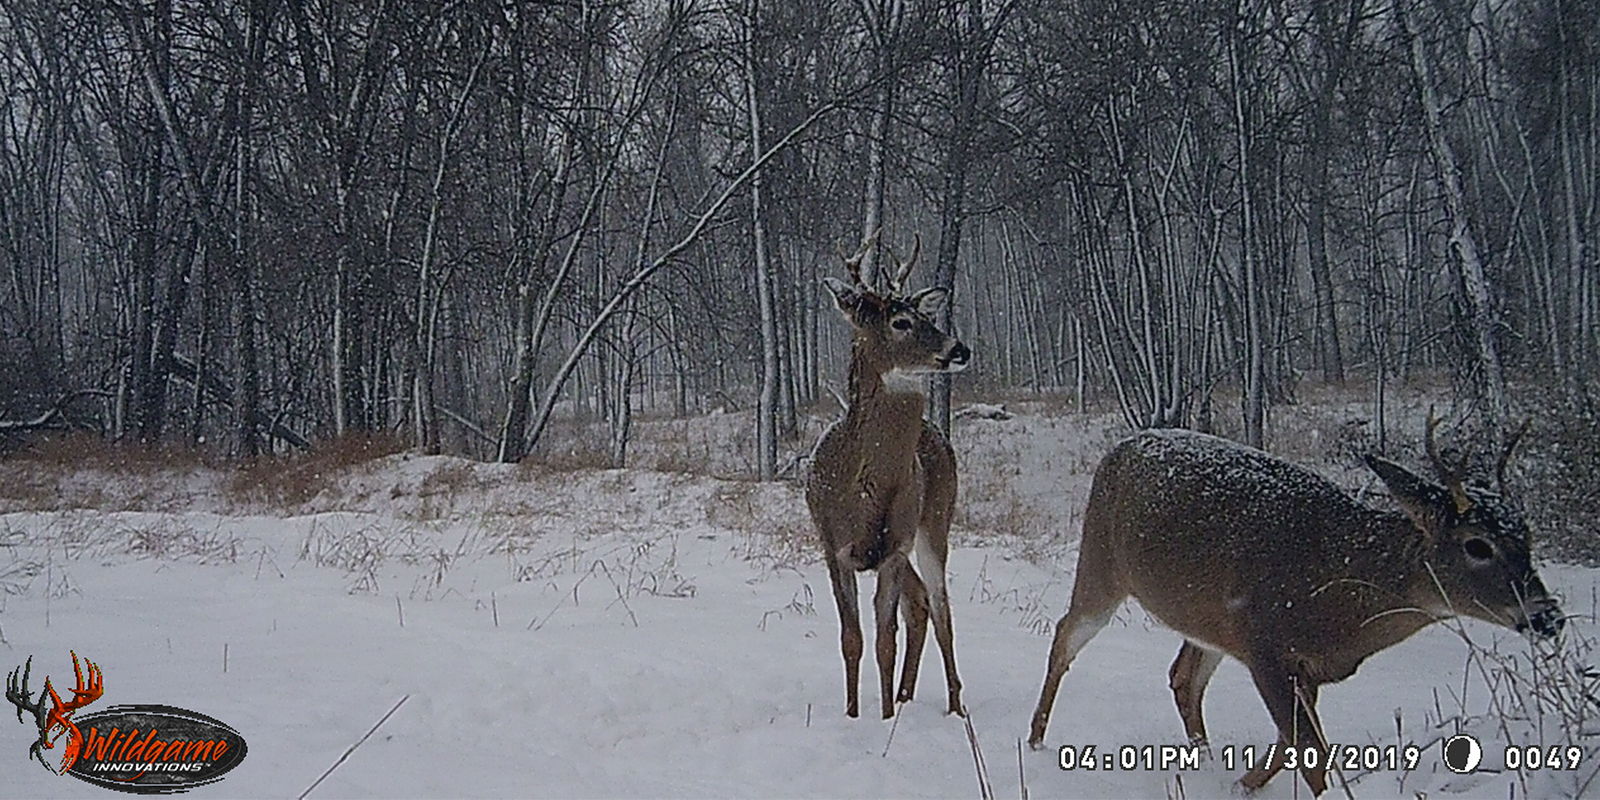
57, 716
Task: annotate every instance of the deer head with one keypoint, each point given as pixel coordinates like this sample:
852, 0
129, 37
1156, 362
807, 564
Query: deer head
1476, 540
895, 332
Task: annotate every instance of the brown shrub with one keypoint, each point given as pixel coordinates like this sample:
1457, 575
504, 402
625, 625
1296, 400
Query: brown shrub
75, 450
1554, 472
570, 459
293, 480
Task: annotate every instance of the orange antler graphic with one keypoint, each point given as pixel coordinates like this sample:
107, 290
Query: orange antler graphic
59, 714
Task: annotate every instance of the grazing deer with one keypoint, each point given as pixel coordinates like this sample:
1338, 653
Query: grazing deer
883, 480
1250, 556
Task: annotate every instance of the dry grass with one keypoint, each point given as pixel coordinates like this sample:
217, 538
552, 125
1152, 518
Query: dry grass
573, 458
1543, 696
291, 481
772, 519
361, 549
35, 477
1027, 601
76, 450
46, 546
692, 458
171, 540
31, 488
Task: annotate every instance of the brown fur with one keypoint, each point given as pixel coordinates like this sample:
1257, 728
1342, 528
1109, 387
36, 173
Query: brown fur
1247, 555
883, 482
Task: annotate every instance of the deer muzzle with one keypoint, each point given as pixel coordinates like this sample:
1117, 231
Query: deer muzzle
1544, 618
1538, 612
955, 359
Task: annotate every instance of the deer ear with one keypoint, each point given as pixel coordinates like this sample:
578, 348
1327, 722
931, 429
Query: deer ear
1427, 503
845, 295
928, 302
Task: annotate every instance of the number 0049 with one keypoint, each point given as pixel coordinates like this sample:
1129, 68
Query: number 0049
1534, 757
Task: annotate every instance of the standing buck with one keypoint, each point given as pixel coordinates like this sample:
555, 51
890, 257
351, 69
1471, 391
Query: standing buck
1250, 556
883, 481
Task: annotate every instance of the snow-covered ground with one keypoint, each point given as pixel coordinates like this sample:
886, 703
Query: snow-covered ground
644, 634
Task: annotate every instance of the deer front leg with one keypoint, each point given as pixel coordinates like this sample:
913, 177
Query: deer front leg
1293, 706
848, 602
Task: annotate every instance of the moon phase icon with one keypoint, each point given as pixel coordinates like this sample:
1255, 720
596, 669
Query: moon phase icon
1462, 753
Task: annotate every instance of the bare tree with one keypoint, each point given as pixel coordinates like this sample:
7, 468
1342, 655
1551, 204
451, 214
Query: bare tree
1476, 304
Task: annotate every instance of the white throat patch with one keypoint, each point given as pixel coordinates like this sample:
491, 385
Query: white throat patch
899, 381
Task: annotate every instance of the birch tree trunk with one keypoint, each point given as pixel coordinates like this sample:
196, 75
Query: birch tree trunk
766, 404
1473, 288
1254, 325
971, 48
424, 420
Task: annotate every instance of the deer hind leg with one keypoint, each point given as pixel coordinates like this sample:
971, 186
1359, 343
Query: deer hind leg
891, 580
914, 607
846, 598
1190, 673
1293, 705
931, 561
1095, 597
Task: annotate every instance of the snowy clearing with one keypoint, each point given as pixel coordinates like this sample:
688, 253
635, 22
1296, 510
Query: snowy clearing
645, 634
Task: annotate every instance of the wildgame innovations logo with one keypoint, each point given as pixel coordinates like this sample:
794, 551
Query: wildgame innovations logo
142, 749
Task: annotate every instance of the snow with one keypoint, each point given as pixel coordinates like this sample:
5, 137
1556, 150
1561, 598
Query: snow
658, 634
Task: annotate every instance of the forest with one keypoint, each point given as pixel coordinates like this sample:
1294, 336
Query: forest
255, 226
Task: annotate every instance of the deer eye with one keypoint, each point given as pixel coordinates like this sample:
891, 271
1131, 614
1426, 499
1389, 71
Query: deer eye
1478, 549
901, 324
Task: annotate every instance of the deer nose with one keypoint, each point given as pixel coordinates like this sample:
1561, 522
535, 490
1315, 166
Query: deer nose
957, 356
1547, 621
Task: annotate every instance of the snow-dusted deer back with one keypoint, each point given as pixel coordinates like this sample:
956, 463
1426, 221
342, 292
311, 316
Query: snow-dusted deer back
1250, 556
883, 480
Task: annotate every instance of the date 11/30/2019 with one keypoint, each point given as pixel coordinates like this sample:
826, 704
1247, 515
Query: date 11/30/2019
1188, 757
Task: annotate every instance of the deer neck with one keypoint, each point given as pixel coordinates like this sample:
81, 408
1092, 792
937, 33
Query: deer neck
885, 403
1405, 599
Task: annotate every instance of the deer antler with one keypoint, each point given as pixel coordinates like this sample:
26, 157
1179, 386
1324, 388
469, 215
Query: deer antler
83, 693
898, 282
19, 695
853, 263
1505, 455
1451, 476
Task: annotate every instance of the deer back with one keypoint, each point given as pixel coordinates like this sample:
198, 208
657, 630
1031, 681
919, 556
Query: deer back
1258, 557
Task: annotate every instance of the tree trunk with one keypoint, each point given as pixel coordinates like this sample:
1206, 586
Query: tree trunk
971, 45
766, 405
425, 423
1475, 301
1254, 326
